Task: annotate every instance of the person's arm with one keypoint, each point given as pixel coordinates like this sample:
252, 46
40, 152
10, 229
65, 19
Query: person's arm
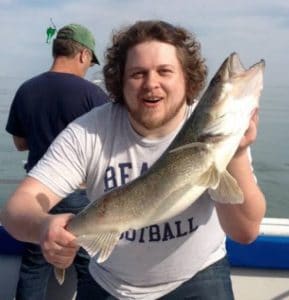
25, 216
241, 222
27, 209
20, 143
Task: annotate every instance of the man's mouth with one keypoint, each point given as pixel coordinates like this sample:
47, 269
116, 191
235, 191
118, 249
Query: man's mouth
152, 99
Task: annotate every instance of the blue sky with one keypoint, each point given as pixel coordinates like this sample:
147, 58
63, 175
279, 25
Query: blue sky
255, 29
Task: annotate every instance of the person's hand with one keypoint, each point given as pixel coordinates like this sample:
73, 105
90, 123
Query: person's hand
58, 245
250, 134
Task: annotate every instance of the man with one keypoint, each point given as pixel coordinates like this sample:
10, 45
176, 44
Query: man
153, 73
41, 109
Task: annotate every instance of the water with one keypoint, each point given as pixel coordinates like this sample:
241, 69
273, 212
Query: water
11, 161
270, 154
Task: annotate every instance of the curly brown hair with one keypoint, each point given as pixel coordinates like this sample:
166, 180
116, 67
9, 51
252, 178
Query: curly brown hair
188, 53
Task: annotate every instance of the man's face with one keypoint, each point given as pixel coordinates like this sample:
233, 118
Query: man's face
154, 88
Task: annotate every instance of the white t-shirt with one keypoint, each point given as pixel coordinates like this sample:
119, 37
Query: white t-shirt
102, 149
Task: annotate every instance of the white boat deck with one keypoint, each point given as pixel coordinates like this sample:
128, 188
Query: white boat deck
258, 284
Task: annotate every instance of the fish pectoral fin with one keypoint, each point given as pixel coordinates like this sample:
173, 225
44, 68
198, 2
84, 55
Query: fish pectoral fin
228, 190
196, 145
211, 178
59, 275
101, 243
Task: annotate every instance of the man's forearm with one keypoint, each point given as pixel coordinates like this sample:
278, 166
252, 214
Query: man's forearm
26, 212
20, 143
241, 221
23, 220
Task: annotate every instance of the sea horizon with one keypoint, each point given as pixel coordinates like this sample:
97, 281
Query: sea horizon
270, 159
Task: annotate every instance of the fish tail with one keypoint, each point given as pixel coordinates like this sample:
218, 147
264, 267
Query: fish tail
59, 275
101, 243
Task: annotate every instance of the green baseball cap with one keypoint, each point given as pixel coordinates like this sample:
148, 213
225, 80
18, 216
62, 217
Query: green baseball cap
80, 34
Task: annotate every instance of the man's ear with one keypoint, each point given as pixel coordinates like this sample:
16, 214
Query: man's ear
82, 56
85, 55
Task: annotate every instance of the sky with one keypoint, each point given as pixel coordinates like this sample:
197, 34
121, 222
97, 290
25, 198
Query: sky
256, 29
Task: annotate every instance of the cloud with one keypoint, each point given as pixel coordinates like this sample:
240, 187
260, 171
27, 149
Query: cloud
256, 29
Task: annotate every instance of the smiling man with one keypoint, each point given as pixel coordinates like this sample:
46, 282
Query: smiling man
154, 71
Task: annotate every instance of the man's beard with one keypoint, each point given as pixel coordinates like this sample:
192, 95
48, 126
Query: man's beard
145, 117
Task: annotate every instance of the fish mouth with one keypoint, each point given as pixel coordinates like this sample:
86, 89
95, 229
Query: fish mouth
252, 77
234, 64
234, 67
231, 67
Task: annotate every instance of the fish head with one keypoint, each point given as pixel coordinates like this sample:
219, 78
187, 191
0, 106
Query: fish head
232, 95
243, 84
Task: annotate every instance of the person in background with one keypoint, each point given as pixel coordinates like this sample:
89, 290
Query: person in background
42, 107
153, 72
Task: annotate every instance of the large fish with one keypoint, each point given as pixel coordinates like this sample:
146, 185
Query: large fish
195, 161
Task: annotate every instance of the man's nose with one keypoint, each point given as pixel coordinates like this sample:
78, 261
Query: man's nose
152, 80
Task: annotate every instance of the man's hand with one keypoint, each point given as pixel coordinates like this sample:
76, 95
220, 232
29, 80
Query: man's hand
58, 245
250, 134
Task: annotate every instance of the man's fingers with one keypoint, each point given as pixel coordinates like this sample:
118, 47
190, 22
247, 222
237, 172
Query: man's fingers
255, 116
59, 256
61, 236
62, 244
61, 262
59, 245
63, 251
66, 240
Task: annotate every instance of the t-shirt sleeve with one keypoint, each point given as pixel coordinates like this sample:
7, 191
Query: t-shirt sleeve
97, 96
14, 125
62, 168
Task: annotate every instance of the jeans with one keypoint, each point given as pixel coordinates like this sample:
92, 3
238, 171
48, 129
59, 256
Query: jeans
212, 283
35, 271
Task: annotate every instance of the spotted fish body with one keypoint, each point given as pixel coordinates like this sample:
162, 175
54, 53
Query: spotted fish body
195, 161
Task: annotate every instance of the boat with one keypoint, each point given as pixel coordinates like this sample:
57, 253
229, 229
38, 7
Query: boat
259, 271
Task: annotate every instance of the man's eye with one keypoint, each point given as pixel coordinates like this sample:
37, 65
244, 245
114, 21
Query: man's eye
137, 75
165, 71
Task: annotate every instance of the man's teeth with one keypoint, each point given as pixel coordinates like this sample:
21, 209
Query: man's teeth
152, 99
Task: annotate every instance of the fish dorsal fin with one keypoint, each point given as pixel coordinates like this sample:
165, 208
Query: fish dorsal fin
228, 190
210, 178
100, 243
